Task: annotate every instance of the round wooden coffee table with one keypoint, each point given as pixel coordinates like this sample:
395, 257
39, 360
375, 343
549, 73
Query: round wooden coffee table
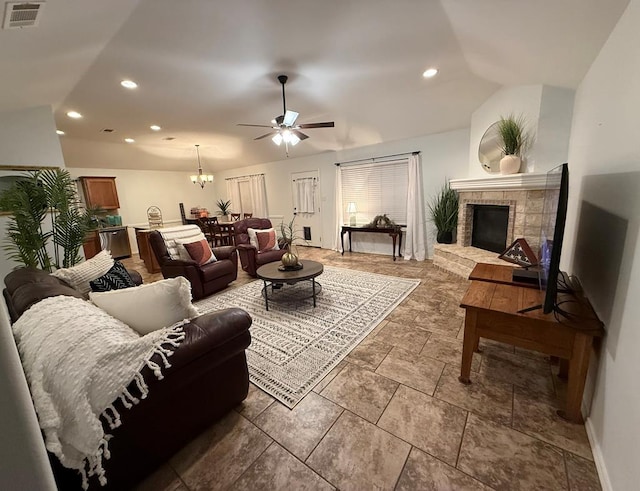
274, 279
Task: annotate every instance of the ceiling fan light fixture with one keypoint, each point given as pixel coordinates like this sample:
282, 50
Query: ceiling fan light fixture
277, 139
293, 139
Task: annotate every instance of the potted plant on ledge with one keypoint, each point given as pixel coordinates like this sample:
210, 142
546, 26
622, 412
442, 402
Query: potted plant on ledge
514, 141
444, 213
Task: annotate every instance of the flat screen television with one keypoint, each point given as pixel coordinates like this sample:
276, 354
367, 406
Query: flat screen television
554, 215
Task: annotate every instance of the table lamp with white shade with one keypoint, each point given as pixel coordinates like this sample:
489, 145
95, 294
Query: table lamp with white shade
351, 210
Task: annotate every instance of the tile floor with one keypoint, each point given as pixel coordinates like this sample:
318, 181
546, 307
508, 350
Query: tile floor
393, 415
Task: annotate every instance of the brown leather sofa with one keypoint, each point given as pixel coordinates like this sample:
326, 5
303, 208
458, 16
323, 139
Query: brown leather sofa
250, 258
204, 280
207, 378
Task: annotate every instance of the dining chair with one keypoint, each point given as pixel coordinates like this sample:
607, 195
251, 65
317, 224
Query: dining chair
235, 217
248, 215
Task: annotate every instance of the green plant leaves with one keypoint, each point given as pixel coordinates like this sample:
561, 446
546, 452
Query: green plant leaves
444, 209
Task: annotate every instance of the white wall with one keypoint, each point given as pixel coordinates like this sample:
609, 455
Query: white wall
140, 189
547, 111
444, 156
27, 137
602, 244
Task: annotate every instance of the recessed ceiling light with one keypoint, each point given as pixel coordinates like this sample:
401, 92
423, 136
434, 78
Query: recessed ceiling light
129, 140
155, 127
430, 72
74, 114
60, 132
129, 84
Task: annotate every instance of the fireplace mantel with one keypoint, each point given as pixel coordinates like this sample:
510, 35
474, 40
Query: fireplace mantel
515, 182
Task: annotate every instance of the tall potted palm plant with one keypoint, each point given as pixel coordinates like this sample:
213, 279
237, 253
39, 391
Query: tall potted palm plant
444, 213
45, 217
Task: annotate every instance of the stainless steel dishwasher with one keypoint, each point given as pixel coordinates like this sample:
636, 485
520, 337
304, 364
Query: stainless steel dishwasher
116, 240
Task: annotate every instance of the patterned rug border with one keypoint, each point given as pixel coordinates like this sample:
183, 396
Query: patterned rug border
288, 400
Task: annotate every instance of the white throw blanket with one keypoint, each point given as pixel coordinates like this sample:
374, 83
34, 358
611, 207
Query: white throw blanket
79, 360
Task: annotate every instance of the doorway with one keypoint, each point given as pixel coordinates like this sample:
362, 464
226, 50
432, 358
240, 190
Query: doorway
305, 192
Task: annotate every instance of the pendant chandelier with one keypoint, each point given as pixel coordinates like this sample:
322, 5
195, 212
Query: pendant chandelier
201, 178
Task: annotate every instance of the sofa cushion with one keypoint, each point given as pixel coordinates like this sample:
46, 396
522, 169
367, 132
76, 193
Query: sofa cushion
116, 278
186, 233
80, 275
150, 307
213, 271
253, 238
267, 240
200, 252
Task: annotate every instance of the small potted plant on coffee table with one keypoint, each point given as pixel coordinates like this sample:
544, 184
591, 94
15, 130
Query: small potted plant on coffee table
444, 213
289, 236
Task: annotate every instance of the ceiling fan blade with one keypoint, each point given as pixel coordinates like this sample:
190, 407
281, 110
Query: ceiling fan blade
290, 118
256, 125
271, 133
300, 134
328, 124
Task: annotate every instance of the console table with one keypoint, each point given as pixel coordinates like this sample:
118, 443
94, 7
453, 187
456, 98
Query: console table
491, 311
394, 232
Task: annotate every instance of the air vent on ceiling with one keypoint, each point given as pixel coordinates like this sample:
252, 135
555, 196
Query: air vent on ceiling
169, 138
22, 14
107, 130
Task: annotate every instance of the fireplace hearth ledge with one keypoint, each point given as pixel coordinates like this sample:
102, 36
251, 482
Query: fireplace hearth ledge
515, 182
461, 260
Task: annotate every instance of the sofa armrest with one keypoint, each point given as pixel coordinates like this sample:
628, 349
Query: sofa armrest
135, 276
219, 335
246, 248
180, 263
223, 252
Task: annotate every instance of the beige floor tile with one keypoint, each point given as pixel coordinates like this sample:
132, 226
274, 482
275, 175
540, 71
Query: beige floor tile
220, 455
163, 479
540, 365
329, 377
406, 336
369, 354
488, 398
504, 458
299, 429
361, 391
356, 455
448, 351
430, 424
582, 474
278, 469
538, 417
416, 371
497, 366
426, 473
403, 315
257, 401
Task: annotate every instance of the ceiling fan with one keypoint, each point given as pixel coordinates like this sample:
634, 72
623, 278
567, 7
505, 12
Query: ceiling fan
284, 126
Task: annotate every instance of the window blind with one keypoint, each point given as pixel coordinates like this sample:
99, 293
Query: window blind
376, 189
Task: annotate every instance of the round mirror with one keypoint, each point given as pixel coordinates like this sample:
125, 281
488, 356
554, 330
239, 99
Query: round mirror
489, 151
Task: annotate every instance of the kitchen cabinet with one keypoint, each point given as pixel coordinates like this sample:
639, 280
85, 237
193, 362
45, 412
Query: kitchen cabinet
100, 192
145, 250
91, 244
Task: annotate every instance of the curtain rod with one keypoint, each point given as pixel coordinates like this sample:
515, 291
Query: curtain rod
373, 159
240, 177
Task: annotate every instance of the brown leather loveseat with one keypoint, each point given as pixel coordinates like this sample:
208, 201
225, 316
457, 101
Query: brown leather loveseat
207, 378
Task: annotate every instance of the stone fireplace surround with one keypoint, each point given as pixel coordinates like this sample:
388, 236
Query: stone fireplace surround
522, 193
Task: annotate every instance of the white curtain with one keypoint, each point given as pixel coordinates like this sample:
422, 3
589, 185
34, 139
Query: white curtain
258, 196
304, 195
233, 191
415, 243
339, 211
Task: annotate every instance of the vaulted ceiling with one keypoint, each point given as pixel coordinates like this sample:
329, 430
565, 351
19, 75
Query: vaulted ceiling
204, 66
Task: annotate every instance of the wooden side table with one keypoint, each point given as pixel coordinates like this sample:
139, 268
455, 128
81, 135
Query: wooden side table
492, 313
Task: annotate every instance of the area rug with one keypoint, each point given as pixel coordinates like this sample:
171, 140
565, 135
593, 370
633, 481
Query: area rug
294, 345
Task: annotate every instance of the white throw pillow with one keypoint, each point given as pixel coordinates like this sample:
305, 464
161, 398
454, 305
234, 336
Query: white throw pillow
254, 240
149, 307
79, 276
184, 253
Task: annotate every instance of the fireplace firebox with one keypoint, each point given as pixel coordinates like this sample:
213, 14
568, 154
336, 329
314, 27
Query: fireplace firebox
489, 229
